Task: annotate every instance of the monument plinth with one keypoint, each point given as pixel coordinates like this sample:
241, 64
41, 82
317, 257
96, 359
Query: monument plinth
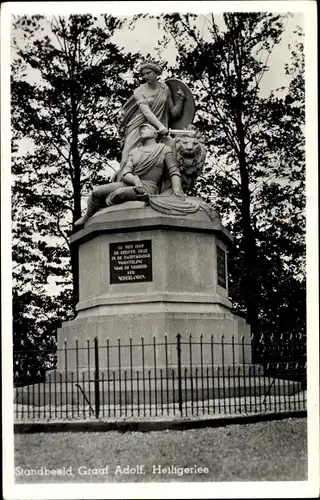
143, 273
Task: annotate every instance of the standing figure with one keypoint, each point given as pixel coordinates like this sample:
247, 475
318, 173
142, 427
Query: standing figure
152, 103
145, 169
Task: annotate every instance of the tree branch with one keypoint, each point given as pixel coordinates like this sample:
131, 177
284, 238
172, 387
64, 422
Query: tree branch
228, 174
63, 236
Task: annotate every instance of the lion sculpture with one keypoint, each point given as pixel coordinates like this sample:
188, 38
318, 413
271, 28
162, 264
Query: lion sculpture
190, 153
190, 156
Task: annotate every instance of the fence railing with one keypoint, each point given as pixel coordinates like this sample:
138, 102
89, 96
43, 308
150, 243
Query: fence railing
158, 377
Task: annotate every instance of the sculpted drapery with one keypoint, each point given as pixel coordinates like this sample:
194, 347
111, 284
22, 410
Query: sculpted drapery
150, 165
132, 118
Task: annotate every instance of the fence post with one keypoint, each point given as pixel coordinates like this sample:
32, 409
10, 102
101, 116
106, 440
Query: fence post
179, 372
96, 377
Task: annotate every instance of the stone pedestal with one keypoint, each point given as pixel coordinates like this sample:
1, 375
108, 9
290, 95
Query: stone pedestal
146, 274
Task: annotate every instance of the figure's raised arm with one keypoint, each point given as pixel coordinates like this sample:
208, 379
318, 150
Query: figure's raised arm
146, 111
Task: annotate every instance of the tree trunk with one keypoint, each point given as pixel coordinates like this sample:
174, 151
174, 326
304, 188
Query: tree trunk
249, 283
76, 181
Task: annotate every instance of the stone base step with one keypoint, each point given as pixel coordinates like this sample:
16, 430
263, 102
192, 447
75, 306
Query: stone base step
160, 372
152, 390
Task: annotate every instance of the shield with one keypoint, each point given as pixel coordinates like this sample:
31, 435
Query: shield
189, 107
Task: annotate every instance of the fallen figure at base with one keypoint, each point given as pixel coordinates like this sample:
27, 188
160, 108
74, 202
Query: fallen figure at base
140, 178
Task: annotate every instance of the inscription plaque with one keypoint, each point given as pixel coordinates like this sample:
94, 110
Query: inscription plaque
221, 267
130, 262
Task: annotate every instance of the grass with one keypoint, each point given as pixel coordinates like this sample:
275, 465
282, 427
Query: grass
265, 451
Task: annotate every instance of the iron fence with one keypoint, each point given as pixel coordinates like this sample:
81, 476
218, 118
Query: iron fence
158, 377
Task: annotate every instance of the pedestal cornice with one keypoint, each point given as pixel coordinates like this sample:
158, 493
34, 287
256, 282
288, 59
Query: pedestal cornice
133, 216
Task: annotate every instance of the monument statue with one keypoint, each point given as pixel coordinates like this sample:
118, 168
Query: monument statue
157, 263
148, 144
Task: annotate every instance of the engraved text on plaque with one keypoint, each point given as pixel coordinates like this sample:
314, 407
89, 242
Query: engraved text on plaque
130, 262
